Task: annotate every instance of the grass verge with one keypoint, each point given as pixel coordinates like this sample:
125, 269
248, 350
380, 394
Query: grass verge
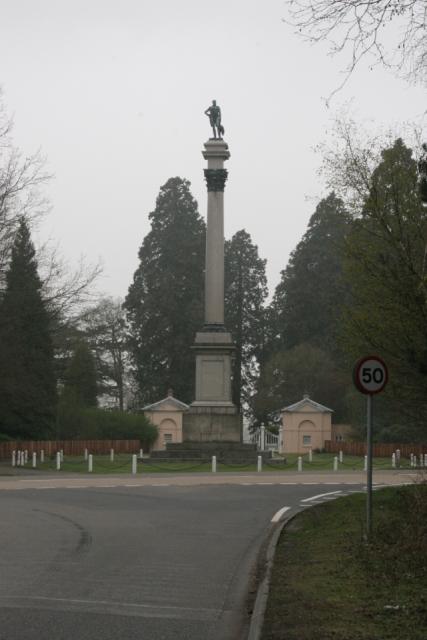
328, 584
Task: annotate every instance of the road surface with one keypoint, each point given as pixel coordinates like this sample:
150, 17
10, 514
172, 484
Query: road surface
152, 557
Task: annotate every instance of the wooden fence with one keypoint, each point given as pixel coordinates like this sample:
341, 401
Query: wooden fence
380, 450
71, 447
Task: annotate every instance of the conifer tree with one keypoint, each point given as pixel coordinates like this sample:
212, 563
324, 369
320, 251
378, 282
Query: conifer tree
27, 378
245, 293
307, 301
165, 301
80, 381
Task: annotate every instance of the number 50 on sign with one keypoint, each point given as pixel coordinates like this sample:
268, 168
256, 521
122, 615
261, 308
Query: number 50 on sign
370, 375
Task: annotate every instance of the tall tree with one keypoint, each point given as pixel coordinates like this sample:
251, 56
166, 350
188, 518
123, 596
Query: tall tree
27, 379
302, 321
164, 302
289, 373
387, 268
80, 380
106, 330
307, 301
245, 293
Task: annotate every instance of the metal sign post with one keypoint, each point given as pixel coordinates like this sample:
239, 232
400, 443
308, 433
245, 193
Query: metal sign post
370, 376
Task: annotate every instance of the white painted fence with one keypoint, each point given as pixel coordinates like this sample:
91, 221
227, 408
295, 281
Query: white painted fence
265, 439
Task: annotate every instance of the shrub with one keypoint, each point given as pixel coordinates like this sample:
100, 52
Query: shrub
76, 422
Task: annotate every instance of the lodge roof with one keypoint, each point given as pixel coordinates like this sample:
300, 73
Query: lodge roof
316, 406
169, 400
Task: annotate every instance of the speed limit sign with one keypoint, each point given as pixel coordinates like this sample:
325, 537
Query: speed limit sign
370, 375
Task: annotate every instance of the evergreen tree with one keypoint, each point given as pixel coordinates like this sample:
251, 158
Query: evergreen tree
80, 382
245, 293
305, 313
165, 301
27, 379
289, 374
307, 301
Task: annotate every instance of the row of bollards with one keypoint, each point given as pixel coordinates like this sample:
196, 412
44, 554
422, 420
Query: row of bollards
20, 458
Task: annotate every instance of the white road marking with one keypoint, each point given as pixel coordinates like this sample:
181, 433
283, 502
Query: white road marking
264, 483
159, 485
279, 514
289, 483
320, 495
105, 486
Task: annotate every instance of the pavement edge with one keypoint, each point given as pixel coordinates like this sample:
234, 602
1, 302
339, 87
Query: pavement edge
258, 613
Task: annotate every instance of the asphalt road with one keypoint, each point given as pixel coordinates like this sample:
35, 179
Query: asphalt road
144, 561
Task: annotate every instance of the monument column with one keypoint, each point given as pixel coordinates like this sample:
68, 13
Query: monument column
215, 152
212, 415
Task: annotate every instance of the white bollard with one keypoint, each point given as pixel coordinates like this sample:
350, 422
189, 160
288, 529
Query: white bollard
299, 463
425, 459
280, 439
213, 464
341, 456
259, 464
13, 458
141, 454
18, 458
414, 459
86, 454
58, 461
90, 462
34, 459
262, 433
310, 455
25, 456
365, 464
411, 462
393, 460
42, 456
335, 463
62, 455
398, 457
111, 455
134, 463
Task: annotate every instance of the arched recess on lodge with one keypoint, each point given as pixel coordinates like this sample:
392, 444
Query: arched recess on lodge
308, 435
168, 431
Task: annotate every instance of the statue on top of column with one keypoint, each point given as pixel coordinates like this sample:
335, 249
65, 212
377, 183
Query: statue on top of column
214, 113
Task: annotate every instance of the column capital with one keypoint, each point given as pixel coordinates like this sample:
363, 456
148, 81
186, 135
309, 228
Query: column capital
215, 179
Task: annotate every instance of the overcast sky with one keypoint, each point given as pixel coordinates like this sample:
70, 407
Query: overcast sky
114, 93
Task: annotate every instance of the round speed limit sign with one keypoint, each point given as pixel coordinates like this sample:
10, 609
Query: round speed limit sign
370, 375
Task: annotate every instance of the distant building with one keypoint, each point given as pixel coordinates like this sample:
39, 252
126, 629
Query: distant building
305, 425
167, 415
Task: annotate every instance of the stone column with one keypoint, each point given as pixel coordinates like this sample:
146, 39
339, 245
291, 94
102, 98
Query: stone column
215, 152
212, 415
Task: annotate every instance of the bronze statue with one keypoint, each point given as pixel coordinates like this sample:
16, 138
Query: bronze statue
214, 113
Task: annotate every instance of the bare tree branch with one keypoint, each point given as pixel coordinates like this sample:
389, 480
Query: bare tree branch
362, 27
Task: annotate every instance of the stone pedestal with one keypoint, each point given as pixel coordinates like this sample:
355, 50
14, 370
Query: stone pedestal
212, 415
